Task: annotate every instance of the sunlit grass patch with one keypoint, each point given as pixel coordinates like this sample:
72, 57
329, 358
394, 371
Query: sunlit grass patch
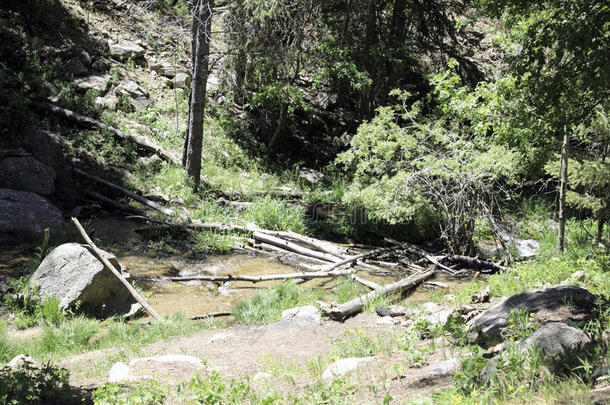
267, 306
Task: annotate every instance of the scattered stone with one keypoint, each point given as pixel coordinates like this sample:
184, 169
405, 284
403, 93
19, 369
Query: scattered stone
387, 320
100, 64
45, 146
486, 327
126, 49
561, 344
25, 215
139, 96
119, 372
436, 374
181, 80
94, 82
27, 174
344, 366
306, 314
109, 102
22, 362
75, 66
220, 336
576, 276
170, 368
438, 318
481, 297
399, 310
71, 273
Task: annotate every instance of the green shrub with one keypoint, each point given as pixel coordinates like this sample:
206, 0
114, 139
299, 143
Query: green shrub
149, 393
32, 385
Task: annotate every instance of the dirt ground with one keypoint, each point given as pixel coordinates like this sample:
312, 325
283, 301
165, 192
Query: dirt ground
280, 350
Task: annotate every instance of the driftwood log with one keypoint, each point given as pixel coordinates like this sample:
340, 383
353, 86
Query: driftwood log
257, 279
123, 190
350, 308
112, 203
100, 256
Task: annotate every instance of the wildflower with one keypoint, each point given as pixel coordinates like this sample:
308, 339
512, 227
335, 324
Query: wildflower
510, 388
522, 386
474, 394
360, 331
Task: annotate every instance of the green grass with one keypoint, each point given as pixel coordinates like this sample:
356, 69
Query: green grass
277, 215
347, 289
80, 334
267, 306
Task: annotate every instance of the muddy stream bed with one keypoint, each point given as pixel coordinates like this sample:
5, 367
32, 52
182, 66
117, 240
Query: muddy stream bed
196, 298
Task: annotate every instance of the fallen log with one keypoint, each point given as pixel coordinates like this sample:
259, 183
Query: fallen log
255, 279
367, 283
320, 245
342, 311
264, 237
123, 190
354, 258
262, 193
273, 248
432, 259
90, 123
100, 256
474, 263
211, 315
115, 204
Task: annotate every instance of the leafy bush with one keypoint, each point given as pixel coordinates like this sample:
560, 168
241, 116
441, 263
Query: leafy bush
31, 385
149, 393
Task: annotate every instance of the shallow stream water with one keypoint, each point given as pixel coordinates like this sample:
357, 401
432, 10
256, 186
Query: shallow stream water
195, 298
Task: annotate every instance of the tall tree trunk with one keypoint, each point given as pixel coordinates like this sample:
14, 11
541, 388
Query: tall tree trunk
562, 191
202, 27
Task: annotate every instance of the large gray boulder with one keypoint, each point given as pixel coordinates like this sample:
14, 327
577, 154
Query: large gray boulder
25, 215
562, 303
560, 344
126, 49
45, 146
27, 174
71, 273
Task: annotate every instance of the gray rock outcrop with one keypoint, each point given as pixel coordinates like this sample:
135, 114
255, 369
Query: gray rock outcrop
27, 174
560, 344
45, 146
25, 215
126, 49
140, 98
94, 82
562, 303
71, 273
436, 374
